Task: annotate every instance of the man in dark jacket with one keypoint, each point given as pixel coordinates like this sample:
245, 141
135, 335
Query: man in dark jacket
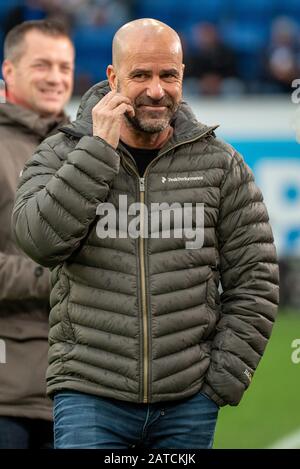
38, 70
143, 350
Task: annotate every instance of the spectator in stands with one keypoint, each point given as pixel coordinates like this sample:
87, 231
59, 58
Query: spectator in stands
283, 55
211, 63
103, 12
27, 11
143, 350
56, 10
38, 71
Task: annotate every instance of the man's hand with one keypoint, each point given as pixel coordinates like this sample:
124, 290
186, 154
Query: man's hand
107, 117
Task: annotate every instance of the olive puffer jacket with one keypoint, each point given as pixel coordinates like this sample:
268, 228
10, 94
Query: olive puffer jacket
141, 319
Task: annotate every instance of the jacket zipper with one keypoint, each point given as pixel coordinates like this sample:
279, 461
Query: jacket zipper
146, 358
144, 296
143, 285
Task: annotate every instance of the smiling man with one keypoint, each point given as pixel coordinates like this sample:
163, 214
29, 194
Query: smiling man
38, 71
160, 61
143, 349
38, 67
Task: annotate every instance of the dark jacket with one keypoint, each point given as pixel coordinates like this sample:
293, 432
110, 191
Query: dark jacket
142, 319
24, 285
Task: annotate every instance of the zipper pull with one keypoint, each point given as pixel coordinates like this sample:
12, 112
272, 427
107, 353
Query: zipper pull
142, 184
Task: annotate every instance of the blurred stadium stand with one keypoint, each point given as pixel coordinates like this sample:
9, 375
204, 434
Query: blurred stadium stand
243, 25
93, 53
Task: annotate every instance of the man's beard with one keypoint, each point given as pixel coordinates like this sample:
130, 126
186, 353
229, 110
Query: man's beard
151, 121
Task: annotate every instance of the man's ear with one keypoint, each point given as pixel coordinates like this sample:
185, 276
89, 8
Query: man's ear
8, 72
112, 77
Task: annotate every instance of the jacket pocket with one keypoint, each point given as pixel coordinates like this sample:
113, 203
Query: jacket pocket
212, 294
212, 304
68, 330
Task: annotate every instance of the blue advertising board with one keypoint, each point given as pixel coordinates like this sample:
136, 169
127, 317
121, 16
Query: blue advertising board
276, 165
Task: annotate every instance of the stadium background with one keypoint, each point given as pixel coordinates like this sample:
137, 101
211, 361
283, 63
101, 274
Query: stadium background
251, 100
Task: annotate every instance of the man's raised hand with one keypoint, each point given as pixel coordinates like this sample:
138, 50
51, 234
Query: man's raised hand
107, 117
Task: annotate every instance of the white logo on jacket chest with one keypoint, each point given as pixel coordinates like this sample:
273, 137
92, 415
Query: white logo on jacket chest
181, 179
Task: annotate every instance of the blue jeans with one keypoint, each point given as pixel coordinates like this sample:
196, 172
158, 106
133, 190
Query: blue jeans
24, 433
86, 421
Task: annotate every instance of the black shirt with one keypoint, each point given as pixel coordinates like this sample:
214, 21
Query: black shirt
141, 156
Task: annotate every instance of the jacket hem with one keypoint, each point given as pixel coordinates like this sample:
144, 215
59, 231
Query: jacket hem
98, 391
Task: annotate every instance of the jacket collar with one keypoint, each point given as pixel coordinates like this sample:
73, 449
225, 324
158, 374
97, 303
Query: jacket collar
186, 126
18, 116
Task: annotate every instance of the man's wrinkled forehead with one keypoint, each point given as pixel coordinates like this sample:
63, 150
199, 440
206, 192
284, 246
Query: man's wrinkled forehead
164, 45
38, 46
162, 60
158, 43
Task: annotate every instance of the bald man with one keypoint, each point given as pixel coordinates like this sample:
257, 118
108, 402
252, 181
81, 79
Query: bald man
139, 211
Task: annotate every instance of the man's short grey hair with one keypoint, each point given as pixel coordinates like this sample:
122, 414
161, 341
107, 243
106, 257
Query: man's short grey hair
14, 40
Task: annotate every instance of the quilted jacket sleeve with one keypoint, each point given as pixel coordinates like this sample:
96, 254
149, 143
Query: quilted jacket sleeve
249, 277
58, 194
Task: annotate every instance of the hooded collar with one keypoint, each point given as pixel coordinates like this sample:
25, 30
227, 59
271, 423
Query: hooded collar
30, 121
186, 126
